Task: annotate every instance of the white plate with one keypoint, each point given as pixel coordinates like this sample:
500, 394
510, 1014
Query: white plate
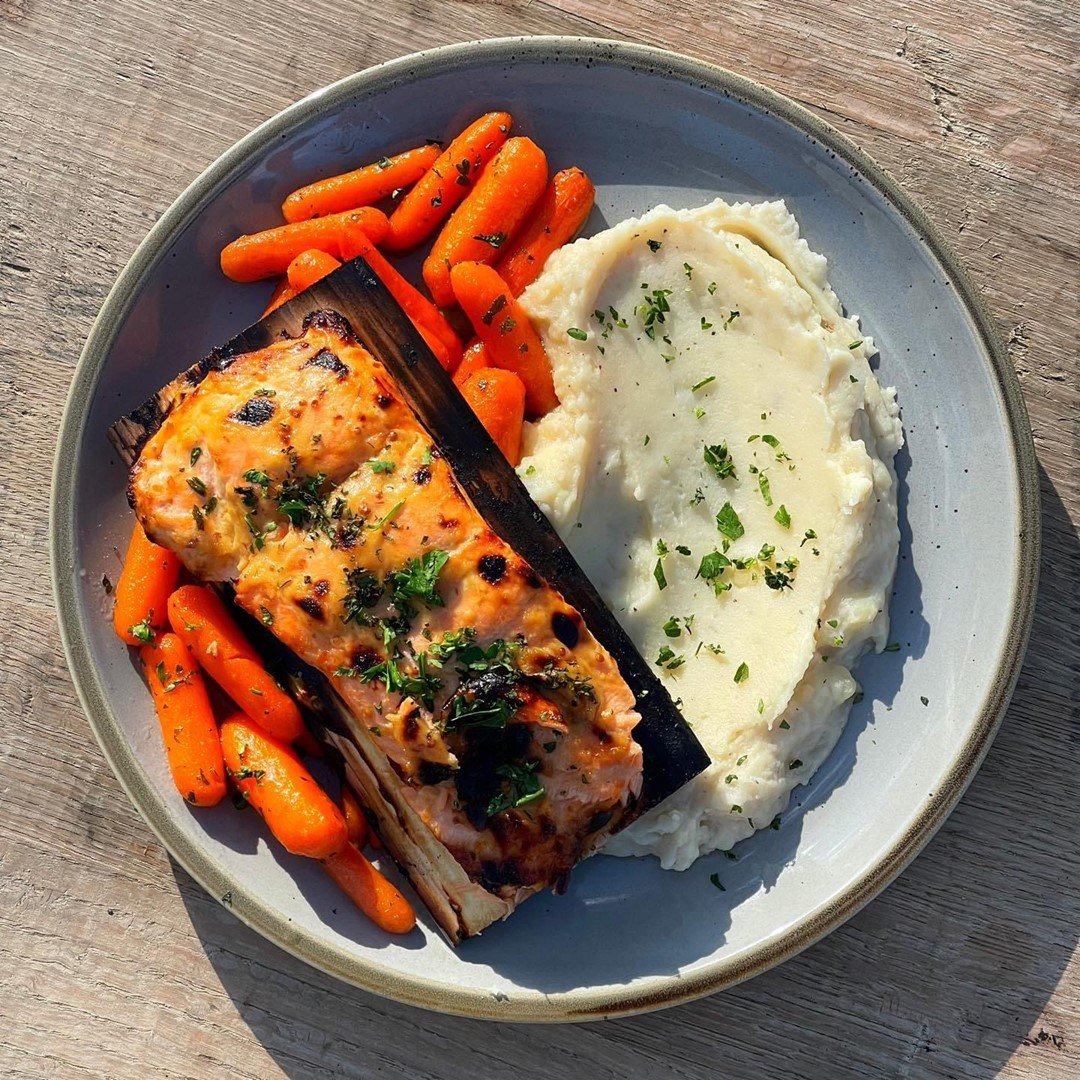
648, 127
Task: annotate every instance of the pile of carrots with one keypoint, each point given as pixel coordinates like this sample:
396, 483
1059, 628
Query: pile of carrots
184, 632
495, 217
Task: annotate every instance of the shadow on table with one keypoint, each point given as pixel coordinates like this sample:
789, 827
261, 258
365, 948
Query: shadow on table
925, 981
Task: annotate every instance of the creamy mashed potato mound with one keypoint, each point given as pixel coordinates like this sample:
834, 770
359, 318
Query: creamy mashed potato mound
713, 333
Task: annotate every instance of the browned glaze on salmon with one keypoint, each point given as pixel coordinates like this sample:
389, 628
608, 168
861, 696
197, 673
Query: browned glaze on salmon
298, 473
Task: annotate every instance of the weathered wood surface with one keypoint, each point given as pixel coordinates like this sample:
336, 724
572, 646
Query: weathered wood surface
113, 963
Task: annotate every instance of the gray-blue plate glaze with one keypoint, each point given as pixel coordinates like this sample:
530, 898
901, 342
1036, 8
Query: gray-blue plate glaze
648, 127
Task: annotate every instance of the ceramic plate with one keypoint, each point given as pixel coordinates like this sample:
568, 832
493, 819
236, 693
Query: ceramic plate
648, 127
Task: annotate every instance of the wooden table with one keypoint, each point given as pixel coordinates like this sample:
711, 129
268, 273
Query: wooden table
114, 963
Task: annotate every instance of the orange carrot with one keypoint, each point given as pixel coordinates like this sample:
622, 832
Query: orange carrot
267, 254
376, 897
498, 399
425, 316
274, 780
490, 215
354, 817
283, 292
308, 267
361, 187
187, 720
473, 359
201, 620
562, 211
142, 591
447, 182
507, 332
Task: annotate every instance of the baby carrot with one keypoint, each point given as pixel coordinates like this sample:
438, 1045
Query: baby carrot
142, 591
507, 332
201, 620
376, 897
490, 215
473, 359
498, 399
308, 267
562, 211
354, 817
447, 182
187, 720
425, 316
275, 781
283, 292
267, 254
361, 187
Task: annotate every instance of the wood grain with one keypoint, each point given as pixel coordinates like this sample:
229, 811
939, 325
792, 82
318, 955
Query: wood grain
115, 964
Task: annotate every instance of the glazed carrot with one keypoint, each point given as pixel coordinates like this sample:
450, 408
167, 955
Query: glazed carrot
275, 781
267, 254
376, 897
201, 620
187, 720
562, 211
447, 182
361, 187
142, 591
498, 399
309, 267
507, 332
283, 292
473, 359
424, 315
490, 215
354, 817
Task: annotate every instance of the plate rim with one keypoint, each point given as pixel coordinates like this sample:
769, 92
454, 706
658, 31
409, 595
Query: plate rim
586, 1003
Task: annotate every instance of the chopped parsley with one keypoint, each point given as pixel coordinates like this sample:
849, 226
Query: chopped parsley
855, 344
196, 485
730, 319
782, 517
576, 333
417, 580
385, 163
522, 786
763, 487
704, 382
720, 461
653, 310
363, 592
266, 616
715, 879
658, 573
742, 672
688, 270
379, 466
654, 245
143, 631
705, 324
196, 453
711, 570
668, 659
496, 240
727, 521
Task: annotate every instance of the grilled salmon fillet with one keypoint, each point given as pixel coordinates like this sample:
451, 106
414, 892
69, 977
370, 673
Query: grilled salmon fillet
298, 473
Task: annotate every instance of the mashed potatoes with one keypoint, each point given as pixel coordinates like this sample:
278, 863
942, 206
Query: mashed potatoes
721, 466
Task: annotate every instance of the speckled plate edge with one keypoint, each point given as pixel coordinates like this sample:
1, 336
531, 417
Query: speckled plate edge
586, 1003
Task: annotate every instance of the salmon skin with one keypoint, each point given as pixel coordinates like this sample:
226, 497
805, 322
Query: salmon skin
488, 730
